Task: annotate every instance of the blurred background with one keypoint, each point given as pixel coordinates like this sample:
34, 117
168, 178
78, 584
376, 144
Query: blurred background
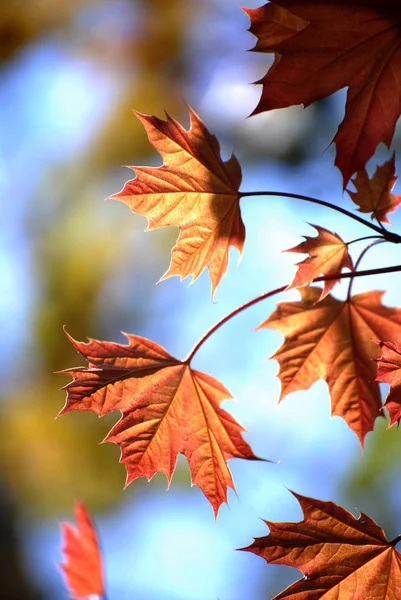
70, 74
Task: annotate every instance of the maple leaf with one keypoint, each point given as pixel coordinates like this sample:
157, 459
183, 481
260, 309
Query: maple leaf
328, 255
335, 341
167, 408
193, 190
341, 43
373, 195
389, 371
272, 24
341, 556
83, 567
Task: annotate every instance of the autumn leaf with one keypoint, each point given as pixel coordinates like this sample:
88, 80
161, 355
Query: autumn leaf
193, 190
272, 24
328, 255
341, 557
337, 44
389, 371
82, 568
335, 341
373, 195
167, 408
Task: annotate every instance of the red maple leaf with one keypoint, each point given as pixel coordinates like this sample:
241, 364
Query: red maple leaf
373, 195
167, 408
336, 44
194, 190
335, 341
341, 557
328, 255
82, 568
389, 371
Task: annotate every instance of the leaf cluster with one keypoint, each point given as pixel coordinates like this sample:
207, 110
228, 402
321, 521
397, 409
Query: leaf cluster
166, 406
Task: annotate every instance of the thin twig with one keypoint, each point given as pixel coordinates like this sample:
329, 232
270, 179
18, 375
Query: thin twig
358, 262
266, 295
367, 237
392, 237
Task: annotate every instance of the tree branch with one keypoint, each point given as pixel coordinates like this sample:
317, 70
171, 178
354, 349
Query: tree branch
391, 237
271, 293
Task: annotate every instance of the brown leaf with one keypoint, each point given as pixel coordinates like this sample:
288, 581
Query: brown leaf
274, 24
342, 557
373, 195
328, 255
335, 341
345, 43
83, 567
195, 191
167, 408
389, 371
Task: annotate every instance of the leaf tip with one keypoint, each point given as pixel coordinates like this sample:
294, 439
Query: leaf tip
82, 562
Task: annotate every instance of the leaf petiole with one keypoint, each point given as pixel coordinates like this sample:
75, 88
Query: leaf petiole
229, 316
358, 262
384, 230
368, 237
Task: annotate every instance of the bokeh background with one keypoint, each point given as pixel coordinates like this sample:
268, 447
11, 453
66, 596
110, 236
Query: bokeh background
70, 73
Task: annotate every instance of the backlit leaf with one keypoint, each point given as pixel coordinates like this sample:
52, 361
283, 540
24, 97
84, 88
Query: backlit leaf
341, 557
335, 341
389, 371
167, 408
272, 24
194, 190
328, 255
336, 44
373, 195
82, 568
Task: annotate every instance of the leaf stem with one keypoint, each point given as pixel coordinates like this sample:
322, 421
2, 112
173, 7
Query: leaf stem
392, 237
367, 237
271, 293
379, 222
395, 540
228, 317
359, 259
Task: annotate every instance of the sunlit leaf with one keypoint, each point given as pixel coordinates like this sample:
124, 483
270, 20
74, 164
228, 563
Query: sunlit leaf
82, 568
328, 255
195, 191
167, 408
341, 557
336, 44
335, 341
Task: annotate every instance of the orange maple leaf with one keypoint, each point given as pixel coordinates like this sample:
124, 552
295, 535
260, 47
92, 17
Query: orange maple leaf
328, 255
83, 567
389, 371
167, 408
335, 341
194, 190
337, 44
373, 195
341, 556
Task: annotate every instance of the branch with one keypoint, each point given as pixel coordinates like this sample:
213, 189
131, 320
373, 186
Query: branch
266, 295
230, 315
391, 237
358, 262
367, 237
